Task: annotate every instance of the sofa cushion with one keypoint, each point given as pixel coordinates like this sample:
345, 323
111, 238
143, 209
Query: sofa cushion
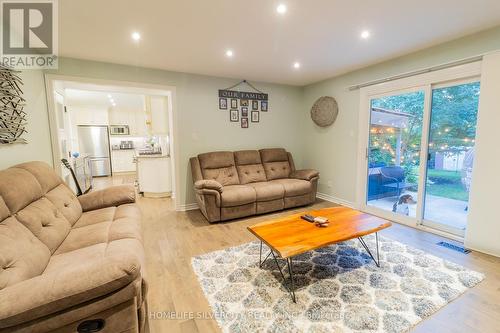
66, 202
22, 255
128, 210
249, 166
4, 211
277, 170
294, 187
120, 223
95, 216
43, 173
246, 157
82, 237
46, 222
18, 188
237, 195
266, 191
251, 173
276, 164
72, 285
273, 155
219, 166
119, 248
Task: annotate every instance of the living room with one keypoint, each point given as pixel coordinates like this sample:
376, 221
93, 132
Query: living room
278, 110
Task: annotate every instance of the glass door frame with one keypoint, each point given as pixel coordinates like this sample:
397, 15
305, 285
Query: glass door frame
422, 220
426, 83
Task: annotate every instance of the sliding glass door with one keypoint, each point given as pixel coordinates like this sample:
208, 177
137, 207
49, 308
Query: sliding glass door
394, 152
420, 154
452, 135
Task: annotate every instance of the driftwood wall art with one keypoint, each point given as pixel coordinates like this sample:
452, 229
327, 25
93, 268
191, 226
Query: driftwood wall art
12, 115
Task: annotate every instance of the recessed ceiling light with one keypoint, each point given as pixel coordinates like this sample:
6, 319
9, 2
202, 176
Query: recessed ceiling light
281, 9
136, 36
109, 96
296, 65
365, 34
229, 53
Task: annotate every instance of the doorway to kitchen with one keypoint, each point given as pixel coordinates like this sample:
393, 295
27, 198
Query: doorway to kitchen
418, 149
114, 132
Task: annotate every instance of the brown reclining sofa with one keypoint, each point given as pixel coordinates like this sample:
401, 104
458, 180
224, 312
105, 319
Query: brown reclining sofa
68, 264
230, 185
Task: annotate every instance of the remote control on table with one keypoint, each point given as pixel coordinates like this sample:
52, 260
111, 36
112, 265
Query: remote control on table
308, 218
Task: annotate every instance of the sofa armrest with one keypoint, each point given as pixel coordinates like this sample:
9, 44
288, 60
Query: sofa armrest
306, 174
208, 184
57, 291
109, 197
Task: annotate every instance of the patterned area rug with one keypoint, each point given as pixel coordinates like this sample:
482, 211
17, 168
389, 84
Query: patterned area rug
338, 288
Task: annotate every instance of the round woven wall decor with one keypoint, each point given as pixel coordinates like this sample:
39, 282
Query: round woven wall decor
324, 111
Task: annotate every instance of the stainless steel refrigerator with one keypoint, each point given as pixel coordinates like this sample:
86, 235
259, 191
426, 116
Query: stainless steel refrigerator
94, 142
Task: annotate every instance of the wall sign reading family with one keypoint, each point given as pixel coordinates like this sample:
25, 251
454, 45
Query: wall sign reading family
242, 104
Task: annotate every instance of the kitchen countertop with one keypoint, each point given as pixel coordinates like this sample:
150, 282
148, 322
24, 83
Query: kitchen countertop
152, 156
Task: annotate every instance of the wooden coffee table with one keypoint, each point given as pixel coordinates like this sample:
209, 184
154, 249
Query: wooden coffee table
290, 236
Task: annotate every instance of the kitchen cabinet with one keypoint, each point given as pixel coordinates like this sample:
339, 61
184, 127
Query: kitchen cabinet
154, 175
89, 115
140, 128
159, 115
114, 117
135, 119
122, 160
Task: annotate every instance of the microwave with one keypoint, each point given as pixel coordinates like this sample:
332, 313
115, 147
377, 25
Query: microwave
119, 130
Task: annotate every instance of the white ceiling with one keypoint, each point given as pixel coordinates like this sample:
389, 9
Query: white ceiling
77, 97
323, 35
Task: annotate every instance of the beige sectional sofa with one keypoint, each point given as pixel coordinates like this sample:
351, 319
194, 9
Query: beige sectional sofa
230, 185
68, 264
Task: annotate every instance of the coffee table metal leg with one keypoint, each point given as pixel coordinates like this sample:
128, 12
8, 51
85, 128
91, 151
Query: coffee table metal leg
290, 272
289, 264
261, 262
362, 241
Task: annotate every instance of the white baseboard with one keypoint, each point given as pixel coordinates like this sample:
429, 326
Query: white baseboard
336, 200
323, 196
183, 208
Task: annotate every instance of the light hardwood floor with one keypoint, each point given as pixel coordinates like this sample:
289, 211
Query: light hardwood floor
172, 238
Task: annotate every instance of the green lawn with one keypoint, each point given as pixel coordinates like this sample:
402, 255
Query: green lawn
447, 184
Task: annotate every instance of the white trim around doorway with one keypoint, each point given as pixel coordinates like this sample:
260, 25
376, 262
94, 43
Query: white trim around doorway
125, 86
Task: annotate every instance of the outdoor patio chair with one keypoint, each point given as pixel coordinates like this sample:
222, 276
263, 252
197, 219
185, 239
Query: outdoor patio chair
395, 178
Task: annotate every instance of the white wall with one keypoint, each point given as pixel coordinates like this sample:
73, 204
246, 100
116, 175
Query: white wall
483, 231
38, 136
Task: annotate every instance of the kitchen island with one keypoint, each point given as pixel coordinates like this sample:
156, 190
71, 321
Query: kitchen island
154, 175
